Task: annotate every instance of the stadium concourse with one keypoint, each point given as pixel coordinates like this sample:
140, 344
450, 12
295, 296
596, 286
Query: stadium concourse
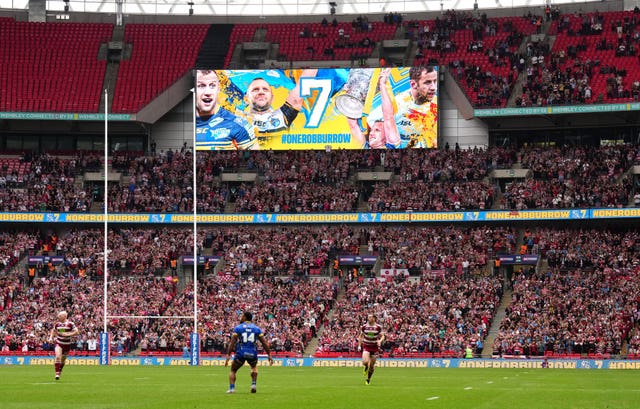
436, 288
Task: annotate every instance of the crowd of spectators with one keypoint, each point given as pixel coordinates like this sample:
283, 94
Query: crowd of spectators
46, 183
300, 183
280, 250
148, 250
452, 250
289, 182
586, 248
583, 62
584, 303
481, 52
283, 250
154, 183
288, 310
294, 182
459, 301
569, 177
425, 196
448, 164
131, 250
570, 312
448, 179
14, 244
82, 251
319, 181
442, 315
28, 311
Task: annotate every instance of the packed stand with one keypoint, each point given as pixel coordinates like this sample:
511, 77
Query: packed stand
428, 251
584, 303
424, 196
29, 311
138, 259
148, 250
288, 311
568, 249
14, 245
280, 250
301, 182
45, 183
570, 177
318, 181
154, 183
131, 250
441, 316
440, 180
289, 182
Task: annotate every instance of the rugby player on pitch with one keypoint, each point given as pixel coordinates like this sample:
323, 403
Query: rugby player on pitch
369, 341
63, 330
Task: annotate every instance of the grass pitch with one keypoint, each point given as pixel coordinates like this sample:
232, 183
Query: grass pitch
87, 387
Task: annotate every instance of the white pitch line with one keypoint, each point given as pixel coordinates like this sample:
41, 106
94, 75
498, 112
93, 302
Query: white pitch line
433, 398
489, 382
55, 383
468, 388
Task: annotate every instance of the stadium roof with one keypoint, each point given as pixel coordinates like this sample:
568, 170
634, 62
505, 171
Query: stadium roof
278, 7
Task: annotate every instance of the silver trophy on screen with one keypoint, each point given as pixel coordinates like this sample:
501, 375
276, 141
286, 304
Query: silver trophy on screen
350, 103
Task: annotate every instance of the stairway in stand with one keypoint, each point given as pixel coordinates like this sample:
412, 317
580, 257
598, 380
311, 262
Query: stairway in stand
214, 47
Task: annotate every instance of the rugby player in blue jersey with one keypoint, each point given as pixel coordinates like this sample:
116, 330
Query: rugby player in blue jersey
217, 128
243, 342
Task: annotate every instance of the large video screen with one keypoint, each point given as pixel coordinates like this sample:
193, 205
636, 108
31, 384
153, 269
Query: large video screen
340, 108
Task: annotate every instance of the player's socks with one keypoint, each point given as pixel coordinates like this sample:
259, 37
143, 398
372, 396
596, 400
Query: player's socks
232, 388
58, 368
253, 387
366, 370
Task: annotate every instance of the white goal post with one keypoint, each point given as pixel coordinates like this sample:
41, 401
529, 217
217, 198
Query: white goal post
105, 339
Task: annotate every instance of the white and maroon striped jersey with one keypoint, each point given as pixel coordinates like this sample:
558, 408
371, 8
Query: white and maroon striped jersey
62, 329
371, 335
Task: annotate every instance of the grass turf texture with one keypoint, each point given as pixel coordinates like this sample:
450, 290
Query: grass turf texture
88, 387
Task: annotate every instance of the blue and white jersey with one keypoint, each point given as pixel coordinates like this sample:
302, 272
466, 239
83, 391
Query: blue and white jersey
248, 334
224, 131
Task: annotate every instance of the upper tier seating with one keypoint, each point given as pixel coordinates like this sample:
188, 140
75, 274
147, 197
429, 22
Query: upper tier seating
51, 67
161, 54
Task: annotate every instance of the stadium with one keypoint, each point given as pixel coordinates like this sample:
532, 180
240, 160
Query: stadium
466, 172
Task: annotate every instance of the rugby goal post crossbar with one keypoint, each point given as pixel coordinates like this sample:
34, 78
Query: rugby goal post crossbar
105, 337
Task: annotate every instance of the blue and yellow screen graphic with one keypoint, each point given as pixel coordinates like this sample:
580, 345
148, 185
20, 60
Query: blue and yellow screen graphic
340, 108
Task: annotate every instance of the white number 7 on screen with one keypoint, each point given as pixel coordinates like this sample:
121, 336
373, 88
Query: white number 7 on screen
320, 106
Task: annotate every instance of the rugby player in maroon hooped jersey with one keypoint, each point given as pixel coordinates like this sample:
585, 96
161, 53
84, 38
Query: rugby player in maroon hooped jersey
62, 332
369, 341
